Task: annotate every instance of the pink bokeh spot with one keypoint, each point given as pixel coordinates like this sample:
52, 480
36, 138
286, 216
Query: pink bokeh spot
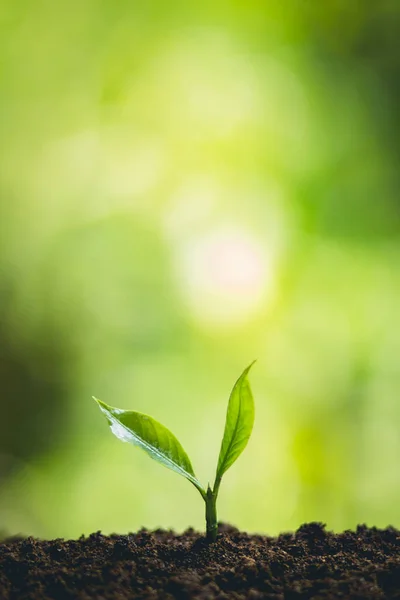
234, 264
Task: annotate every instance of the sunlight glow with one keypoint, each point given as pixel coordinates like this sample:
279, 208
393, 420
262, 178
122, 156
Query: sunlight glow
227, 276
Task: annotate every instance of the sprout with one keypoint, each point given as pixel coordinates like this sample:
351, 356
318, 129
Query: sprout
161, 445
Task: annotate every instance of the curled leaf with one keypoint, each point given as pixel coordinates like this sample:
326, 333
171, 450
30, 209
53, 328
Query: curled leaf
155, 439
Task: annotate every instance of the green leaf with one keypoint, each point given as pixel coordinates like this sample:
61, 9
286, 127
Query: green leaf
155, 439
238, 425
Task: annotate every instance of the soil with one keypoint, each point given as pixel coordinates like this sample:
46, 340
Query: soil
311, 563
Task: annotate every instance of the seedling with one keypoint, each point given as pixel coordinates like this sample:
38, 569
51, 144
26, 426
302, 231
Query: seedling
161, 445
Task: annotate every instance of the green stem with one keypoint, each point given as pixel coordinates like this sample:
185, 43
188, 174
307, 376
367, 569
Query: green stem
211, 515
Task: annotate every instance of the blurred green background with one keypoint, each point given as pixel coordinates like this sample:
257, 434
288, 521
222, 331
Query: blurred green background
185, 187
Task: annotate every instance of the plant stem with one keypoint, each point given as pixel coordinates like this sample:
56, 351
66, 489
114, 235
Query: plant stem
211, 515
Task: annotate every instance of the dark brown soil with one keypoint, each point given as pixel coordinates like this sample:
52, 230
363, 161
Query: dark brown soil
311, 563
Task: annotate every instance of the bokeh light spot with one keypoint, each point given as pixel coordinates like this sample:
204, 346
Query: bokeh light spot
227, 276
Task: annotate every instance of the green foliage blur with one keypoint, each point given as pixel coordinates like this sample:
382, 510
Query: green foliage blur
185, 187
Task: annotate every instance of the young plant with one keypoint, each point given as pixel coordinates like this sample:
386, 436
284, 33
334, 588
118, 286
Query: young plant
161, 445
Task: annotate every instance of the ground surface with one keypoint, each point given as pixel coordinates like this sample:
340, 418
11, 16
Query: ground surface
311, 563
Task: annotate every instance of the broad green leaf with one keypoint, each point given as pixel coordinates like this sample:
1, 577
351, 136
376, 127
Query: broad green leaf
238, 425
155, 439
